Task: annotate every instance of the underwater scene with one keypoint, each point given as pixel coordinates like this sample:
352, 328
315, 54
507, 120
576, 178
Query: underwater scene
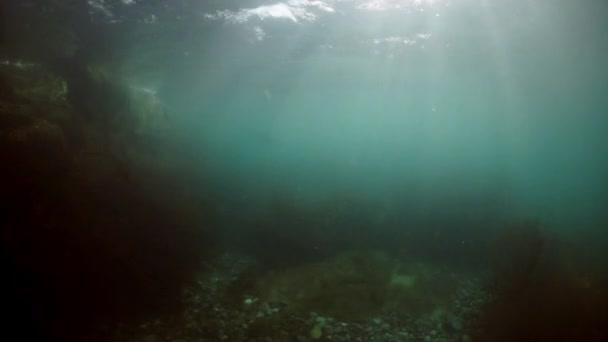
304, 170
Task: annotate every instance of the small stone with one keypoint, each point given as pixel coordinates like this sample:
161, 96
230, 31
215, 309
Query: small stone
455, 323
316, 331
249, 301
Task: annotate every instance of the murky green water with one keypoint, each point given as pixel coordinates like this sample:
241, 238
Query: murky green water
441, 98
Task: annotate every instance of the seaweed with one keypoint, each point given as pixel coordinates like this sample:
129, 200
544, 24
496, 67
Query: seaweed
542, 290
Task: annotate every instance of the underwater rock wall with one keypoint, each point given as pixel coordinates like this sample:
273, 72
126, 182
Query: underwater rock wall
89, 231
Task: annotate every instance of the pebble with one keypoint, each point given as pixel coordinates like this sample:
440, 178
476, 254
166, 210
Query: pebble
316, 332
250, 301
455, 323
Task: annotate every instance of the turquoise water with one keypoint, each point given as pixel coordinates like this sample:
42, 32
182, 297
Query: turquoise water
443, 99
